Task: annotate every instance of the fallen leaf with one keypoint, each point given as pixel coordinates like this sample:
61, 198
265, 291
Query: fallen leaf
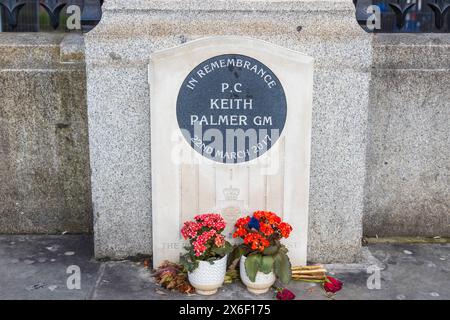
161, 292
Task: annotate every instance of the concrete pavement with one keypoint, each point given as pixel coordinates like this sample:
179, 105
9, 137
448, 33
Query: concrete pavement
38, 267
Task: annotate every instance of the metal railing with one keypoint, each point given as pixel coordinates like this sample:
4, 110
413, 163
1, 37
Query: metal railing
408, 16
46, 15
412, 16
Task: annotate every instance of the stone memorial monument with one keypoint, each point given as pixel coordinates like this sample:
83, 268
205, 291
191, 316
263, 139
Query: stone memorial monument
231, 132
135, 128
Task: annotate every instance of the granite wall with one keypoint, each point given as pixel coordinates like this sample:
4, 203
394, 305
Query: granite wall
44, 156
407, 190
381, 139
117, 56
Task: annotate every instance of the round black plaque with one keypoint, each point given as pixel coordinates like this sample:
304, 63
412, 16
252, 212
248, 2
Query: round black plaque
231, 108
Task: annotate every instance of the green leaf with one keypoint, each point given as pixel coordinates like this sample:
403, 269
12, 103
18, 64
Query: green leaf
283, 249
269, 251
282, 267
188, 263
252, 264
184, 263
236, 253
196, 264
266, 264
222, 251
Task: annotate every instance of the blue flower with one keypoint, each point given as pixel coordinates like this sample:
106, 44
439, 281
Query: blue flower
253, 223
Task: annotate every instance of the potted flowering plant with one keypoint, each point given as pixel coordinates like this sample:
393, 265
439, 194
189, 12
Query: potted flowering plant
263, 256
206, 254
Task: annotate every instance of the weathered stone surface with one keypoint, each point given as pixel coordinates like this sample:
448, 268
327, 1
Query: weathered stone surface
120, 145
411, 51
44, 158
34, 267
408, 167
117, 55
337, 165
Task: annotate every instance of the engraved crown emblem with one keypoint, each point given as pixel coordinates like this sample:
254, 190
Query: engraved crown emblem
231, 193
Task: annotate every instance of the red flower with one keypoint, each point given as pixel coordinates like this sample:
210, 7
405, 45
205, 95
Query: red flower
219, 241
261, 230
200, 244
272, 218
240, 233
332, 285
285, 229
266, 229
190, 229
285, 294
256, 241
241, 222
258, 214
211, 220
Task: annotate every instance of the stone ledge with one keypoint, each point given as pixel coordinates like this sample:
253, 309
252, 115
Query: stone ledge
231, 5
128, 32
411, 51
412, 40
28, 39
41, 51
72, 48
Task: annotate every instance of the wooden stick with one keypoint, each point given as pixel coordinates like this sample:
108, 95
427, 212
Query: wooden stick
308, 271
307, 267
308, 280
308, 277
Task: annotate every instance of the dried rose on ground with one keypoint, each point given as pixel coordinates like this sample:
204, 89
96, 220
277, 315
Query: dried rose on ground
285, 294
332, 285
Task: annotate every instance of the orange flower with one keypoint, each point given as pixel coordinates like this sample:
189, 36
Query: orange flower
264, 243
239, 233
285, 229
249, 238
266, 229
261, 229
256, 241
241, 222
272, 218
258, 214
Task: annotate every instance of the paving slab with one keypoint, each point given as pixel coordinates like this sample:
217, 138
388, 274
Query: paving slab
35, 267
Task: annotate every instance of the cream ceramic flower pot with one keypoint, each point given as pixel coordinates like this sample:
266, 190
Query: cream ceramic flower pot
207, 278
262, 283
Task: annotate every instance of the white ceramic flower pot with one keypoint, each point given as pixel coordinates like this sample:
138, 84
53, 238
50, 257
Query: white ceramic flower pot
262, 283
207, 278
